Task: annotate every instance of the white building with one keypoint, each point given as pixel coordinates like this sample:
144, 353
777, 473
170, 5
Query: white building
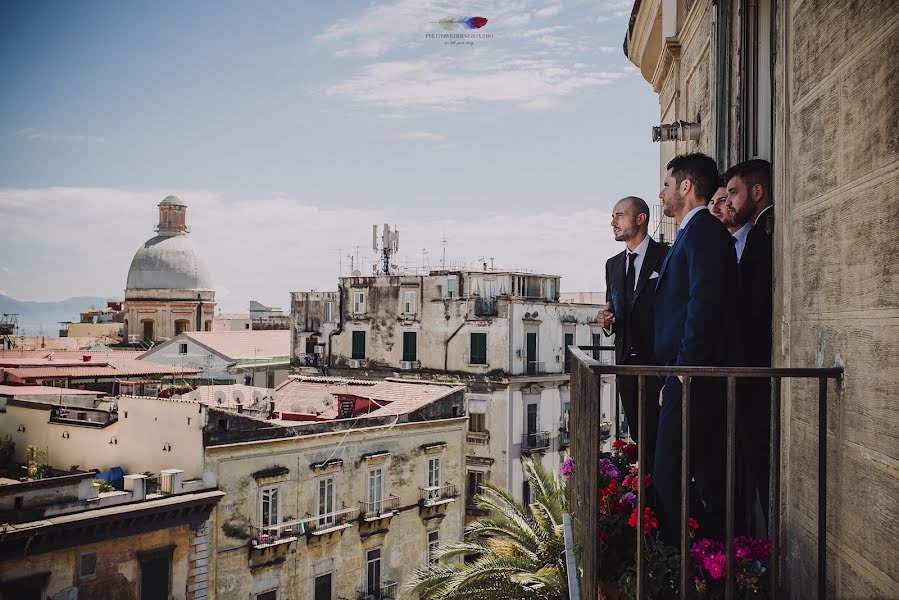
503, 334
260, 358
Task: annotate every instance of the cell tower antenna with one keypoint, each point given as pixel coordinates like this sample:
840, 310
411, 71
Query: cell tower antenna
390, 245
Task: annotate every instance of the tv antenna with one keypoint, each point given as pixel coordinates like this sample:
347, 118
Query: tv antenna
390, 244
443, 241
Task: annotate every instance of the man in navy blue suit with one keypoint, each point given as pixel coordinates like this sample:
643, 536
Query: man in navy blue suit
694, 326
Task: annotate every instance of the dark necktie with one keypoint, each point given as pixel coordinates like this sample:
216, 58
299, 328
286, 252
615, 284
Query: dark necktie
630, 278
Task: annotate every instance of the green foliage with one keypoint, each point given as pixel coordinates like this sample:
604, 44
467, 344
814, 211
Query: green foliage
516, 552
662, 572
104, 486
36, 462
7, 448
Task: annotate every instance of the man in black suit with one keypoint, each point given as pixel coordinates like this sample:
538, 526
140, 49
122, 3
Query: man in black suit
695, 325
749, 208
630, 293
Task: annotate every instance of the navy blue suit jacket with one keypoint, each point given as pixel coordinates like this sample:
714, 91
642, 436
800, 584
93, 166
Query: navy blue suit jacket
696, 303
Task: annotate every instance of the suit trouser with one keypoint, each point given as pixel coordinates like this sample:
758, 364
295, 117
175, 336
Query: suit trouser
708, 432
628, 392
754, 439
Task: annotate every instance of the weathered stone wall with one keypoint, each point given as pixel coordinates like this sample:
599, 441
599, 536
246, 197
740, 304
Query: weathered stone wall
837, 290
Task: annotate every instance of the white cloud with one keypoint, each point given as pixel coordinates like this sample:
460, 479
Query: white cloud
35, 135
62, 243
549, 11
426, 136
610, 49
477, 76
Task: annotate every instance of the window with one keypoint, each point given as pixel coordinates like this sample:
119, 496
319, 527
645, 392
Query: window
375, 490
325, 504
329, 311
410, 345
323, 586
270, 379
451, 288
358, 302
155, 574
526, 493
181, 326
475, 481
569, 340
358, 345
269, 595
434, 472
433, 541
478, 349
148, 330
477, 422
246, 326
373, 571
530, 353
182, 348
207, 326
409, 303
269, 507
88, 566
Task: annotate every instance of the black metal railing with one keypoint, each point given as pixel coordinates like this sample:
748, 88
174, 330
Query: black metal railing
437, 493
383, 592
586, 444
536, 440
379, 508
275, 534
485, 307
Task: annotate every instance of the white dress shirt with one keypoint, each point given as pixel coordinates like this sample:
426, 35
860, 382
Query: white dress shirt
689, 216
740, 239
640, 251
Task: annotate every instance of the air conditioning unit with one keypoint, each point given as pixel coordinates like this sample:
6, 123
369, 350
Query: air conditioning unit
355, 363
408, 365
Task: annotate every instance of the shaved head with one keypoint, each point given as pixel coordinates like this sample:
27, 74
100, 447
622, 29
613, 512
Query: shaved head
630, 220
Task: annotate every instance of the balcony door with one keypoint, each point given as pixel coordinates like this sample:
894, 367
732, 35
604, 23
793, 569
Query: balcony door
532, 424
322, 588
325, 503
375, 490
530, 352
373, 572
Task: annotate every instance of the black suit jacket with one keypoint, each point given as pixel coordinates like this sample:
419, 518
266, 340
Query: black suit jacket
634, 324
696, 293
756, 270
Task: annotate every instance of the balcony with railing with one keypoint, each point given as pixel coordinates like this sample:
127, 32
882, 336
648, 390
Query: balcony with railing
438, 494
536, 441
485, 307
386, 591
328, 523
477, 438
379, 509
586, 445
271, 535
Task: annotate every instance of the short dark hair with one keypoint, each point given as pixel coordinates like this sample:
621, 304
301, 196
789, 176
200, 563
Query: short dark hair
639, 205
698, 168
753, 172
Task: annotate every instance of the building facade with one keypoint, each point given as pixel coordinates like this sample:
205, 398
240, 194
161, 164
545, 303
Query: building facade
169, 288
502, 334
814, 88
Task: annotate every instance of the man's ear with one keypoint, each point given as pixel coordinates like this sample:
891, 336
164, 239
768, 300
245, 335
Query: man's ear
757, 192
685, 186
642, 218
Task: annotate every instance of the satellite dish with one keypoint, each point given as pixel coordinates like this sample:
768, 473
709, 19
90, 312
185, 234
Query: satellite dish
327, 399
194, 396
176, 397
238, 397
220, 397
270, 395
534, 315
296, 407
257, 396
357, 273
527, 315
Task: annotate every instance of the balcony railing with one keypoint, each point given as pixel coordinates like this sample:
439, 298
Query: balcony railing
478, 438
484, 307
385, 592
438, 494
536, 441
158, 486
586, 445
379, 509
535, 367
269, 535
325, 523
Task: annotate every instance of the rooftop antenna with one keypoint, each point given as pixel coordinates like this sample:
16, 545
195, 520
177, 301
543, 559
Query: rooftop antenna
443, 241
389, 246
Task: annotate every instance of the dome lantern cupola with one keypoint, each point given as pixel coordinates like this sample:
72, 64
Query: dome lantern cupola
172, 217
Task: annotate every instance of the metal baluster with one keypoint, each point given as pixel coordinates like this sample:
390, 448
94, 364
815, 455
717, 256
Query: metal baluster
641, 491
731, 456
774, 489
822, 487
685, 488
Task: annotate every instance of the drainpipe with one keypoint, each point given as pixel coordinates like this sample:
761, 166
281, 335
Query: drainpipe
446, 346
339, 330
509, 408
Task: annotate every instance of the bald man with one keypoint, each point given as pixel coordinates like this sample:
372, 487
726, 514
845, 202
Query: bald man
630, 294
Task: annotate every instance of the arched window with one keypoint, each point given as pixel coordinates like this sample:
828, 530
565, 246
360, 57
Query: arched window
207, 326
149, 329
181, 326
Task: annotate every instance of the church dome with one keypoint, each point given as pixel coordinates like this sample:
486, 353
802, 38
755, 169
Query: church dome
169, 262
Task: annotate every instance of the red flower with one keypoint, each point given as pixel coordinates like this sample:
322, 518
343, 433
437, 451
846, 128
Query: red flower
618, 444
601, 535
692, 524
650, 521
630, 450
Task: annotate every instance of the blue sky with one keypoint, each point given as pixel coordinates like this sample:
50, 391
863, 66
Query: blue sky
290, 128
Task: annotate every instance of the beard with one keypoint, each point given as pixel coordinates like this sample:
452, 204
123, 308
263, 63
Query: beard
674, 205
739, 217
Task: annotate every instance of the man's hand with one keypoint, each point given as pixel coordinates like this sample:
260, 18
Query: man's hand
661, 395
605, 317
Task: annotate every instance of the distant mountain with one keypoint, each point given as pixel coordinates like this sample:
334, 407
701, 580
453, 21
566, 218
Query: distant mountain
36, 318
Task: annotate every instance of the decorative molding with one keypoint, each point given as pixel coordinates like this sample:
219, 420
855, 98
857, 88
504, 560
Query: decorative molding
329, 466
434, 448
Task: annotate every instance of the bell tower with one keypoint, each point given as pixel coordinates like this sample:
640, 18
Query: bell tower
172, 217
